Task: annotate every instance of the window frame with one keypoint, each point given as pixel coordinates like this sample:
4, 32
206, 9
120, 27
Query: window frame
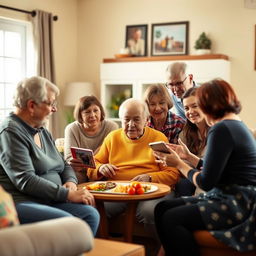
27, 58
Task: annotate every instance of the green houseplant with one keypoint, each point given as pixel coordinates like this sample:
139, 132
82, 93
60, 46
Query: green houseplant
203, 44
116, 101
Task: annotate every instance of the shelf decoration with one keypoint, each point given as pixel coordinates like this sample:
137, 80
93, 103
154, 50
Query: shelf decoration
136, 40
169, 38
203, 45
116, 101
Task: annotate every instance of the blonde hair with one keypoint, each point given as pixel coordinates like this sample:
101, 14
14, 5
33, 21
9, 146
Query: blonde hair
157, 89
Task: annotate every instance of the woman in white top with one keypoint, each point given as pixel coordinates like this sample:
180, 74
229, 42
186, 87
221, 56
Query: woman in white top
88, 131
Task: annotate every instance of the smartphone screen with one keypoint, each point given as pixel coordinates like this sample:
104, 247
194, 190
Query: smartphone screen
159, 146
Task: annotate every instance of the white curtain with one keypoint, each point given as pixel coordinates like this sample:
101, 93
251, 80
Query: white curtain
43, 39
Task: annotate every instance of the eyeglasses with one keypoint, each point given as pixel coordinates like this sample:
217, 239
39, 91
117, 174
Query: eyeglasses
170, 85
50, 104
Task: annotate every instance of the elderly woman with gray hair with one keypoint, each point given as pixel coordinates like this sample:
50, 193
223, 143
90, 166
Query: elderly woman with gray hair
32, 170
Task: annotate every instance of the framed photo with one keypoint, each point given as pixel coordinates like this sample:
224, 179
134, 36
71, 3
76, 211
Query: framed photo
84, 154
169, 39
136, 39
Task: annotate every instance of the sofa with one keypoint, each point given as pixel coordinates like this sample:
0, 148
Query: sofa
69, 236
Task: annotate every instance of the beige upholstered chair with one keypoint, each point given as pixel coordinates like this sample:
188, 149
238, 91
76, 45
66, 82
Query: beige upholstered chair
69, 236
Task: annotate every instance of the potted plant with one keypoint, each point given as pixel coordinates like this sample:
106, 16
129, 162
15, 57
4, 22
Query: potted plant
203, 44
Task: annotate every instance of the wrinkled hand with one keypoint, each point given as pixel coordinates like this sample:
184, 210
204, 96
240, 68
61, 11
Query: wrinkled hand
108, 170
181, 149
70, 185
171, 159
77, 165
142, 177
81, 196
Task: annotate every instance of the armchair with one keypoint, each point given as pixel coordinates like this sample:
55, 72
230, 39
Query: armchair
67, 236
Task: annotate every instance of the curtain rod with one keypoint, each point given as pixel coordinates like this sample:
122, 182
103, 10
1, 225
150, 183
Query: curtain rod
32, 13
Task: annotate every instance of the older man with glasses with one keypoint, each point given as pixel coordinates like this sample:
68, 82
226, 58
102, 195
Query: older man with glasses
42, 184
178, 82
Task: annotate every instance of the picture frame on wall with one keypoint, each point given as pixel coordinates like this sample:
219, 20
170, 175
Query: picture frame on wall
136, 39
169, 38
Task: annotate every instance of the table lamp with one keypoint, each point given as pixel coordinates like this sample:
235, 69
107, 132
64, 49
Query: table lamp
73, 92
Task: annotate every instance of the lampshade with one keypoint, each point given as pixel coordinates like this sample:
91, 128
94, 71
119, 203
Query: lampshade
75, 90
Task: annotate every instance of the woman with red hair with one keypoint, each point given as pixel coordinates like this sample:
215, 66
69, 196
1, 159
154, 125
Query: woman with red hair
228, 175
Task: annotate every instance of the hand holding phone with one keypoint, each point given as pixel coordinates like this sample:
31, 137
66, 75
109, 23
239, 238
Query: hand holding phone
159, 146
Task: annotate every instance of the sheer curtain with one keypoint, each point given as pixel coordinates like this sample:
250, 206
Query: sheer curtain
43, 39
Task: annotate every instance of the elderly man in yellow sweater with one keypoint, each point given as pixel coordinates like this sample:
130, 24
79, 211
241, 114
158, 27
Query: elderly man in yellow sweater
126, 155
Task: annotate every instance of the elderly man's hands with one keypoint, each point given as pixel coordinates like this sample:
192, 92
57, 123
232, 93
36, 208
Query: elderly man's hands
81, 196
142, 177
70, 185
108, 170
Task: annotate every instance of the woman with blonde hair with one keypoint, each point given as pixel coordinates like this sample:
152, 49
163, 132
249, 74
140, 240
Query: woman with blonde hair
161, 117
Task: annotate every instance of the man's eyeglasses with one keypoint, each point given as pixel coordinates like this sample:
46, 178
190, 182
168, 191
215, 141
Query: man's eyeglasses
176, 84
50, 104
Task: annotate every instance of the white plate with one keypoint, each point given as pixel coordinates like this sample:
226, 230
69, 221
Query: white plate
110, 191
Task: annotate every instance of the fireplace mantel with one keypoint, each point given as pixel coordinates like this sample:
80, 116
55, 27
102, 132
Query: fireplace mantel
135, 74
168, 58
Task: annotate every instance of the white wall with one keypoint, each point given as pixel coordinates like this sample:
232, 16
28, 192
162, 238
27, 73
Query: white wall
101, 33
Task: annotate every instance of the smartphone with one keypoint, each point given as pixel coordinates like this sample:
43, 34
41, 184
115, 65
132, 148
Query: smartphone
159, 146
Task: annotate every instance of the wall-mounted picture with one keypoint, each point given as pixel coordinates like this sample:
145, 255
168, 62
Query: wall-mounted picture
169, 39
136, 39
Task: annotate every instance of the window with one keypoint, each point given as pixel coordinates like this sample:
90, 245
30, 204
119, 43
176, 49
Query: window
16, 59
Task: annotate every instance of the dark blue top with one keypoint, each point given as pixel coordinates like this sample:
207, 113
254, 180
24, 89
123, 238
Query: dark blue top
27, 172
230, 157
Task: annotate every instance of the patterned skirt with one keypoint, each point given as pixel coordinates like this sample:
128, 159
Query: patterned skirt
229, 213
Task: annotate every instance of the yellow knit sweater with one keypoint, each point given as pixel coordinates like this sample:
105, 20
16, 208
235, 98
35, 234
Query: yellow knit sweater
133, 157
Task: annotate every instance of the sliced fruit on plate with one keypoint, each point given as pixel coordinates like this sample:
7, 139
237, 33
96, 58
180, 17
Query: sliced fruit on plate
134, 188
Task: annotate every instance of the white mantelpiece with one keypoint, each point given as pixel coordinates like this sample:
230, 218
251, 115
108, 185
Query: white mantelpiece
139, 72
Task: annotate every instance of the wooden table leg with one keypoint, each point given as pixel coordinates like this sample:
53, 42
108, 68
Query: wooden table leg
130, 216
103, 227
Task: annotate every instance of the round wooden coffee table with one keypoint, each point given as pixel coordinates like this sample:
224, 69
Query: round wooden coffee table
132, 201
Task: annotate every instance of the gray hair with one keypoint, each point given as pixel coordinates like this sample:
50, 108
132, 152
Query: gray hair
34, 88
175, 70
136, 103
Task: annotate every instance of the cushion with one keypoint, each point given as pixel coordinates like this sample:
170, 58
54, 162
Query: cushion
8, 214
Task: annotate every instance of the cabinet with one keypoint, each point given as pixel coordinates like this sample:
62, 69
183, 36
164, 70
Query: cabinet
129, 77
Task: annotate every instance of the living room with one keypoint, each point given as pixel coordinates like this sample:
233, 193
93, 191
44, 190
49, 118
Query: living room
88, 31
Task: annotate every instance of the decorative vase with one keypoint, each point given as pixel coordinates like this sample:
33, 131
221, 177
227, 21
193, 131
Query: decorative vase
202, 51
